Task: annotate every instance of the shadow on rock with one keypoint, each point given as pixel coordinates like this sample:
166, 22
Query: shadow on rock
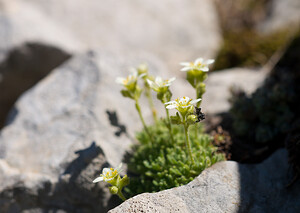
22, 68
114, 121
73, 192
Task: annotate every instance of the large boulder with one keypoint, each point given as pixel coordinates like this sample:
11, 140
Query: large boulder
227, 187
31, 45
37, 36
173, 30
22, 22
62, 132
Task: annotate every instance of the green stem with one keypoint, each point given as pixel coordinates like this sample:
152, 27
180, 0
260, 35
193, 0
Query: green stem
120, 194
169, 125
198, 105
137, 106
187, 142
196, 131
148, 94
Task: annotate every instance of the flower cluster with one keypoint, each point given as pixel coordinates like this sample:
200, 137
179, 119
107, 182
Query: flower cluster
187, 114
112, 176
108, 174
182, 105
199, 65
159, 85
196, 74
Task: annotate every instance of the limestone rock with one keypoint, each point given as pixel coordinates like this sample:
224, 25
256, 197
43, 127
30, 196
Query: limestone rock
31, 45
173, 31
22, 22
226, 187
281, 15
62, 132
219, 84
37, 36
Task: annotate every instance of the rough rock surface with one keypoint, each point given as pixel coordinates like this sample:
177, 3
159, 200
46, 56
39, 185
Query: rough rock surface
62, 132
31, 45
281, 15
37, 36
219, 84
227, 187
22, 22
65, 129
173, 31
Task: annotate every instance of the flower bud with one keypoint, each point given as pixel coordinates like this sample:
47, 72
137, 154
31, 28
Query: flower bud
113, 189
191, 119
142, 69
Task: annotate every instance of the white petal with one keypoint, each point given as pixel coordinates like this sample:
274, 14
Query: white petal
170, 102
210, 61
158, 80
152, 85
204, 69
172, 79
150, 82
119, 167
185, 99
98, 179
195, 101
173, 106
186, 69
105, 170
198, 60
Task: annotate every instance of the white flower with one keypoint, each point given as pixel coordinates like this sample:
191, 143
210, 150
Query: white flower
159, 84
181, 103
200, 64
142, 69
130, 80
108, 174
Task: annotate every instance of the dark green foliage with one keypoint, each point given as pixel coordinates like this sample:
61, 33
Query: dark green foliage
243, 45
248, 48
269, 114
164, 165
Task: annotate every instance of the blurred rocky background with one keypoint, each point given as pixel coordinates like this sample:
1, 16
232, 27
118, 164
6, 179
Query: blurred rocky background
63, 119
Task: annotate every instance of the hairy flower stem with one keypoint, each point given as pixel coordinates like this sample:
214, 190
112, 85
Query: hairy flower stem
120, 194
187, 142
148, 94
169, 125
137, 106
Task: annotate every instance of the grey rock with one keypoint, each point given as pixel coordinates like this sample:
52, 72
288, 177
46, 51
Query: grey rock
24, 66
62, 132
31, 45
37, 36
173, 31
22, 22
227, 187
281, 15
219, 84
